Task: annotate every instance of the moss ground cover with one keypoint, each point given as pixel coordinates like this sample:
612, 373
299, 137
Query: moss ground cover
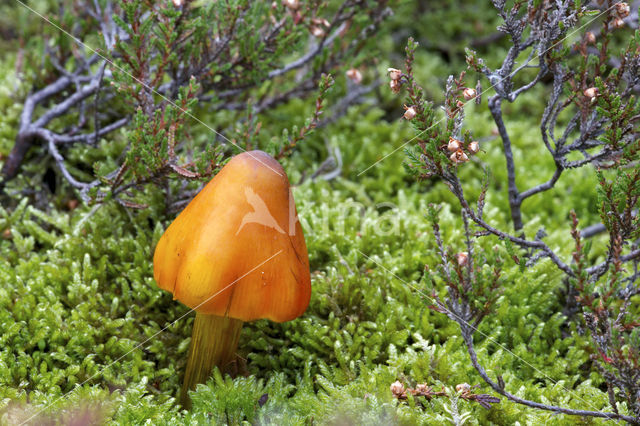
79, 306
86, 334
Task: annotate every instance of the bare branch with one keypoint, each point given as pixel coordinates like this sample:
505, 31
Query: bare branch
467, 335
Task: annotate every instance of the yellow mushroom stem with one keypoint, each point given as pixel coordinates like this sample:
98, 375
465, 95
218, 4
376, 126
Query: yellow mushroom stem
214, 341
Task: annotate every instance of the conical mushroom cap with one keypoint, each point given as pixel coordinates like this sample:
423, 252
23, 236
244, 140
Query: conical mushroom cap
237, 249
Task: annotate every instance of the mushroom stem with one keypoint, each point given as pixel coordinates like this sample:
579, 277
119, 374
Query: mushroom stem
213, 344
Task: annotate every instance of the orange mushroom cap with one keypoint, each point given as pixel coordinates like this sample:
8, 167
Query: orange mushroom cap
237, 249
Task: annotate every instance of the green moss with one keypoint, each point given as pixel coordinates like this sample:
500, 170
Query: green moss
79, 307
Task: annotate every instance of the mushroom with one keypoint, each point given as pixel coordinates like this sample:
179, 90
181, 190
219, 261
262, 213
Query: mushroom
236, 253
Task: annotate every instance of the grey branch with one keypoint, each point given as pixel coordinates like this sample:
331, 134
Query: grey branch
467, 335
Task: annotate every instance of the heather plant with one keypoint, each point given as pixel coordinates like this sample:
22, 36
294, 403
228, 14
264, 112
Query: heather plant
148, 67
589, 80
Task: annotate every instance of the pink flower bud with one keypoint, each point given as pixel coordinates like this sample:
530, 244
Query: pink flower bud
474, 147
354, 75
395, 86
459, 157
291, 4
177, 3
462, 258
469, 93
617, 23
317, 31
622, 9
590, 37
591, 92
422, 389
319, 21
397, 388
453, 145
394, 74
463, 387
409, 113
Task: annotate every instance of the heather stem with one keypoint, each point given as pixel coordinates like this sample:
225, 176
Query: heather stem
515, 201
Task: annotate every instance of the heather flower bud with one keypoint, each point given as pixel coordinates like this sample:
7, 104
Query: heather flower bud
409, 113
462, 258
617, 23
354, 75
395, 86
318, 21
397, 389
591, 92
459, 157
590, 37
291, 4
453, 145
469, 93
394, 74
622, 9
422, 388
474, 147
463, 387
317, 31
